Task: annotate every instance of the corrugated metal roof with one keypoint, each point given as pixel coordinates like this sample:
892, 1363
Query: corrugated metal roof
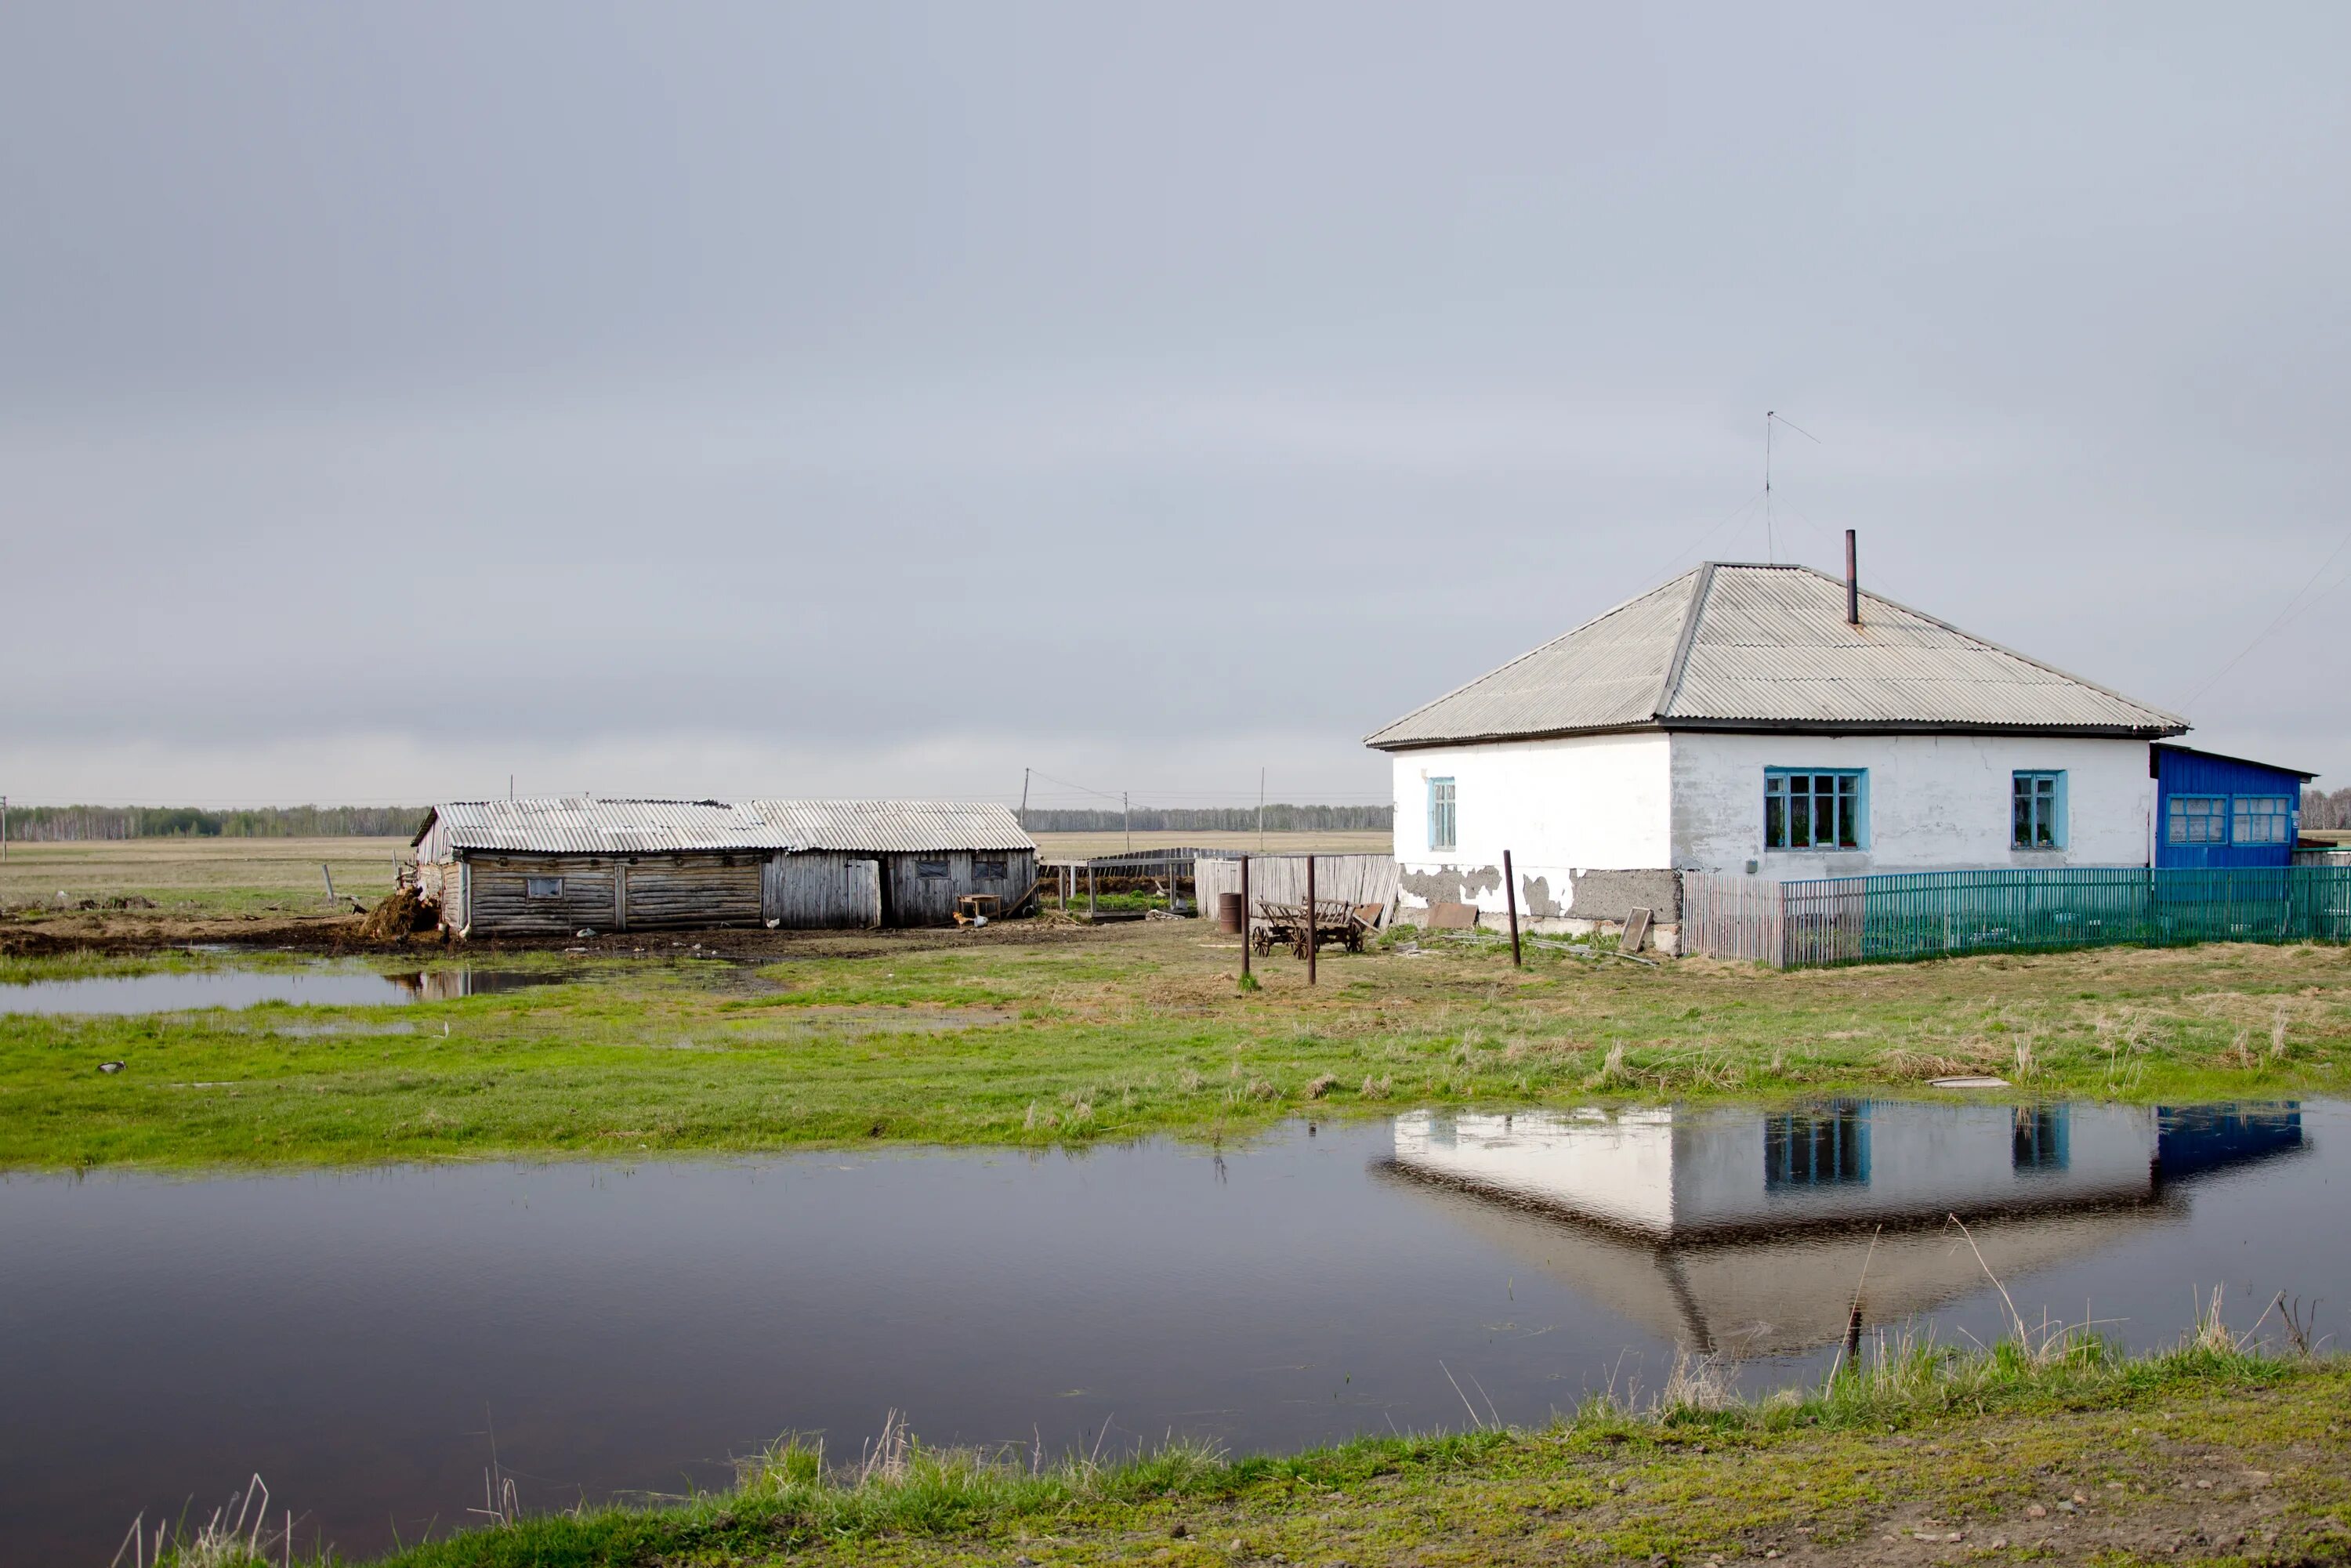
588, 824
1769, 647
1604, 674
901, 827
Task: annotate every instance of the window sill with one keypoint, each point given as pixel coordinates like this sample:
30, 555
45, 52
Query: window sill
1820, 850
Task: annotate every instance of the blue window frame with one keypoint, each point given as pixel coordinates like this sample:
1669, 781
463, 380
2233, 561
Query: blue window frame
2263, 820
1815, 808
1829, 1147
2038, 1139
1441, 824
2039, 814
2197, 819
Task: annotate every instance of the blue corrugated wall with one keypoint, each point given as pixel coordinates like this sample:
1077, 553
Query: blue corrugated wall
2180, 772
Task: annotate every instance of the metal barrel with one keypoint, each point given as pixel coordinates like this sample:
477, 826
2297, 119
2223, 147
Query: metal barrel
1229, 913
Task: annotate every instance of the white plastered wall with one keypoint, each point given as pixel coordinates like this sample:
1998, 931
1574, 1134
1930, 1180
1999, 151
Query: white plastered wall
1560, 807
1935, 801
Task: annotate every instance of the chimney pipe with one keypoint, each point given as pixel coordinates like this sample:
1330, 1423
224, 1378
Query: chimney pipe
1852, 583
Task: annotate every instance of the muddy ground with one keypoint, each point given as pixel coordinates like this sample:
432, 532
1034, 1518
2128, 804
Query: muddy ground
129, 932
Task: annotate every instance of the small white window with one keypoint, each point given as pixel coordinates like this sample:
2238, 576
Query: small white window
1441, 823
931, 871
542, 887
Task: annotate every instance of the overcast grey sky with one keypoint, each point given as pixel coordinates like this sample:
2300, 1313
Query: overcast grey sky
880, 399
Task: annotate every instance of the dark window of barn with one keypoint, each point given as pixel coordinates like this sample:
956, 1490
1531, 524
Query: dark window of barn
990, 870
931, 871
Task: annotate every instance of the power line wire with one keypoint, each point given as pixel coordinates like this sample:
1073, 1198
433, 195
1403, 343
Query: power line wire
2292, 607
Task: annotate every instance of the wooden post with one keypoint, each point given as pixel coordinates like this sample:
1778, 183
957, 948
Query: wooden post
1510, 891
1089, 890
330, 881
1245, 918
1311, 943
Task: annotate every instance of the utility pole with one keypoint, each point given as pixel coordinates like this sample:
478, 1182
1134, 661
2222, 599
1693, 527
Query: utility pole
1127, 812
4, 828
1024, 798
1260, 811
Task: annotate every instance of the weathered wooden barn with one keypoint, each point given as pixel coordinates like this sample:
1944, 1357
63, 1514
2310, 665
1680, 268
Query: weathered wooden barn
893, 862
546, 866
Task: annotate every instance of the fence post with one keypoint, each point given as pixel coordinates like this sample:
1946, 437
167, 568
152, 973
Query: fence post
1510, 895
1311, 943
1245, 918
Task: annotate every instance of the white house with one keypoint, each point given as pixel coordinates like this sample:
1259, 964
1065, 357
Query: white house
1742, 1233
1767, 719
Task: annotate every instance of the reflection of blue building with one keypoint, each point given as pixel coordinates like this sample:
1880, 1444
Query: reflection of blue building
2193, 1139
2214, 811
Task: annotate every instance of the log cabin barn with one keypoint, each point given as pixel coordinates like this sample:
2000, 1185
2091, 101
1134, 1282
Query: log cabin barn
553, 865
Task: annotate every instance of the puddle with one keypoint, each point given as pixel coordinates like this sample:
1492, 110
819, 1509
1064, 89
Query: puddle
317, 985
352, 1335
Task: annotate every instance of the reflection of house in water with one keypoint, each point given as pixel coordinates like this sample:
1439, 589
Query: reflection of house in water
448, 985
1746, 1231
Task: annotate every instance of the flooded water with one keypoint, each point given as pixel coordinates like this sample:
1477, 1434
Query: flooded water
316, 985
357, 1336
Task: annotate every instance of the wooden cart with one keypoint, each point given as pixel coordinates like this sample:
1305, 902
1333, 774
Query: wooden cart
1284, 925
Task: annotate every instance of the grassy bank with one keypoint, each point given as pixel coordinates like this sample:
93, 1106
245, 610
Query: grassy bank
2057, 1450
1011, 1038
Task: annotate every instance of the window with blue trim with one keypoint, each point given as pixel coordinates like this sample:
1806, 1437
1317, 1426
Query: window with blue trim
1440, 814
2038, 1140
2263, 820
1815, 808
2039, 811
2197, 819
1829, 1147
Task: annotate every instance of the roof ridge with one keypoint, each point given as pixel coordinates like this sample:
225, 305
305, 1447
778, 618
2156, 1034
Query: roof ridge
1700, 592
1617, 608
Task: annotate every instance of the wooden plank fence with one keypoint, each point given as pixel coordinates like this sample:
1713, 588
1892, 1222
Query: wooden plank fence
1281, 878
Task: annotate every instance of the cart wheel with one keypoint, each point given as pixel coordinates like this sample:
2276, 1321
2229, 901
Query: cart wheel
1260, 943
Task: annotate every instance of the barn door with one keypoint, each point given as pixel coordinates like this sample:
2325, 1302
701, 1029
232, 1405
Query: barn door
865, 892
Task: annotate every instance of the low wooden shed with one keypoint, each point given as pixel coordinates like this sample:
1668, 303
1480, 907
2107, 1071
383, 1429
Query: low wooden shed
548, 865
893, 862
551, 865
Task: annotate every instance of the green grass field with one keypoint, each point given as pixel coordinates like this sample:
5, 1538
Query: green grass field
1015, 1038
199, 878
2032, 1450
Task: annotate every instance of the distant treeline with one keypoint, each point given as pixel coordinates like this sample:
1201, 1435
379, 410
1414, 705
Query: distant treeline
2323, 811
1278, 818
63, 825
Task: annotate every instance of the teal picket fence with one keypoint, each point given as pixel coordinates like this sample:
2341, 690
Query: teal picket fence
1933, 914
